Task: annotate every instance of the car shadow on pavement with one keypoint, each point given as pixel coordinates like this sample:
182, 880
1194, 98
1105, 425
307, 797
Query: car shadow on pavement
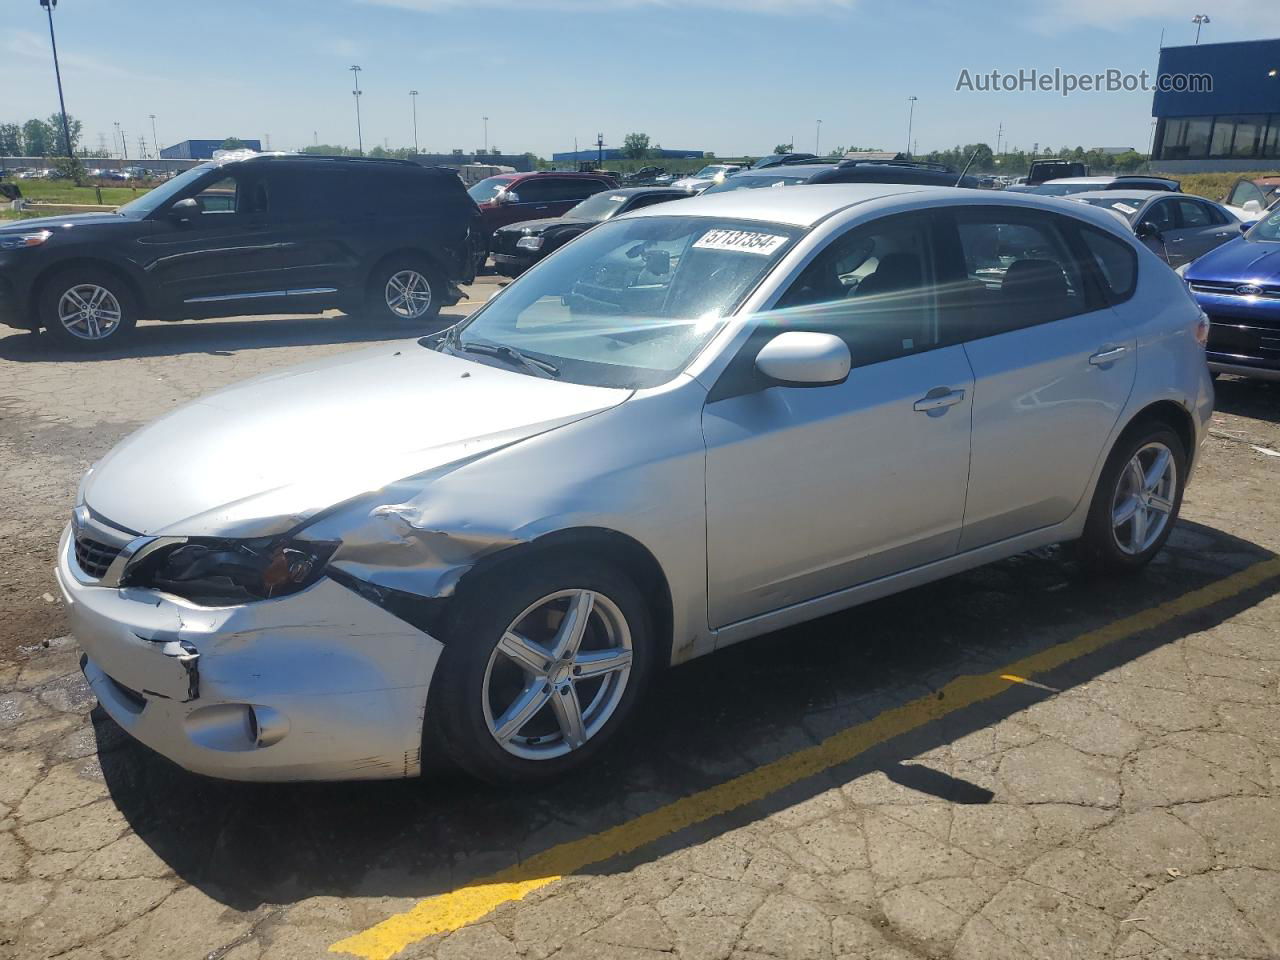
711, 720
226, 337
1259, 399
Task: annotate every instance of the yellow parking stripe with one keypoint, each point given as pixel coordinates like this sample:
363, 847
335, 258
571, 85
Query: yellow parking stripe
450, 911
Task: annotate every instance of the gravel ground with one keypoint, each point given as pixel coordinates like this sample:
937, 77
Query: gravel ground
1126, 803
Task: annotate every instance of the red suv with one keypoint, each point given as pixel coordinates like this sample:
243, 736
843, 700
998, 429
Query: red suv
512, 197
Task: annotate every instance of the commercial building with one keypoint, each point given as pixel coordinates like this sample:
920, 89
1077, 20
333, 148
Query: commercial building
201, 149
590, 156
1232, 122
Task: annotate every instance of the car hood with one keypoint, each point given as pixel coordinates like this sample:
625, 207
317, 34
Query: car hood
264, 456
64, 222
534, 227
1239, 261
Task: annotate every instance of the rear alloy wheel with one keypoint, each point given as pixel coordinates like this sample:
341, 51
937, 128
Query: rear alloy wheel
86, 309
541, 667
1137, 500
406, 291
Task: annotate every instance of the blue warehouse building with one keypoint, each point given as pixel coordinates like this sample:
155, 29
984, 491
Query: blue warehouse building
201, 149
1233, 126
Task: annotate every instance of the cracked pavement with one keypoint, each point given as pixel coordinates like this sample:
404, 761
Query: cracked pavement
1124, 805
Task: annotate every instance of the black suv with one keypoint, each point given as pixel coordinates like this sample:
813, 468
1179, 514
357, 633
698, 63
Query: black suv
266, 233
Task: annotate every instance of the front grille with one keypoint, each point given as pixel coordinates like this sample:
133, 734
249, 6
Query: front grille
1221, 289
93, 557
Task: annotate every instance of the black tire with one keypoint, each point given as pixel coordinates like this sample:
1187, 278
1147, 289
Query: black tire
478, 618
78, 335
1100, 550
379, 290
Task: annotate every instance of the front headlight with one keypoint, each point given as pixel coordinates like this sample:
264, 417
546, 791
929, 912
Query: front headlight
529, 243
19, 241
216, 573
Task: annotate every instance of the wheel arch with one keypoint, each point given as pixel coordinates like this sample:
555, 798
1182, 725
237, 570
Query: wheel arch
609, 546
41, 283
1170, 413
407, 252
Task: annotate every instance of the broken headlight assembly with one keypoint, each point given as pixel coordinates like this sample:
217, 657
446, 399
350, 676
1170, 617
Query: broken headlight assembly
217, 573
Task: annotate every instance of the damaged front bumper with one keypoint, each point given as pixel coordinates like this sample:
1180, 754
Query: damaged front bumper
318, 685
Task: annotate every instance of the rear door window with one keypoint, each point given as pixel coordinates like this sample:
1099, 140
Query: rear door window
1192, 215
1116, 262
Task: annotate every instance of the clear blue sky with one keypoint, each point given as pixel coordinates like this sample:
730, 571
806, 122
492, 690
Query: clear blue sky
732, 76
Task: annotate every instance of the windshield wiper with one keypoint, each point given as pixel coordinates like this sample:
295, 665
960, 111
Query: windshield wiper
513, 356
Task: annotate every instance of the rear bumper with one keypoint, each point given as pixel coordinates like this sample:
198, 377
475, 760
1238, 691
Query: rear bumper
320, 685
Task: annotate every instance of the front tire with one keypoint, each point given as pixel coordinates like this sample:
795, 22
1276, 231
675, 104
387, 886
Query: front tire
1137, 500
405, 290
87, 308
542, 666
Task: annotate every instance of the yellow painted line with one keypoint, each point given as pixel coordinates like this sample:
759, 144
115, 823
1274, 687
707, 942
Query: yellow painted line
1012, 678
450, 911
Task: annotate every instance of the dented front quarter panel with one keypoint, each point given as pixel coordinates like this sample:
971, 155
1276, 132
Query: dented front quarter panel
637, 469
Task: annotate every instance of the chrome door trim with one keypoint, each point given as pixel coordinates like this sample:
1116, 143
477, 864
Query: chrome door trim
304, 292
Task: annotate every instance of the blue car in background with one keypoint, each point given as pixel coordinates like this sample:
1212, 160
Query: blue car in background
1238, 286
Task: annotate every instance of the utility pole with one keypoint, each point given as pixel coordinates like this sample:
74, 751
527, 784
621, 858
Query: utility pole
355, 75
911, 116
817, 140
142, 147
486, 133
599, 151
154, 139
413, 95
57, 72
999, 136
124, 144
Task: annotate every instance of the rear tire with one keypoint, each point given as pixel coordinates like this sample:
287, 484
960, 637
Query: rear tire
405, 290
508, 719
1137, 501
87, 308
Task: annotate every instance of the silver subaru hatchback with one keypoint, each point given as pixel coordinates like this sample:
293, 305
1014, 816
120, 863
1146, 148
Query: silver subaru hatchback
691, 425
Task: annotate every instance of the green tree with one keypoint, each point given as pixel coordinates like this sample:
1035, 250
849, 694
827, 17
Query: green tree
232, 143
10, 140
54, 125
635, 146
783, 148
328, 150
37, 139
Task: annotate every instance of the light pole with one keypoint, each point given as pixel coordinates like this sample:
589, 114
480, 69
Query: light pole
355, 75
155, 141
817, 140
911, 116
1200, 19
413, 96
57, 72
486, 133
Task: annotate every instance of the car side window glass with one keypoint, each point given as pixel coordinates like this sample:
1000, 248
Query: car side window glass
1216, 216
1244, 192
1161, 214
1019, 271
873, 287
221, 196
1116, 262
648, 201
1192, 214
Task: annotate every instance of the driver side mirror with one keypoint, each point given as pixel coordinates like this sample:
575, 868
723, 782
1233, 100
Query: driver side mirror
1147, 231
509, 196
1251, 206
798, 359
184, 211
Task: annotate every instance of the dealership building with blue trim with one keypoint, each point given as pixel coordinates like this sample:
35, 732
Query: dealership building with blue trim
1232, 125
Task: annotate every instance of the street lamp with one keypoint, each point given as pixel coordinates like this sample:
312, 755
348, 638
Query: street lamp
1200, 19
486, 134
413, 95
57, 72
154, 139
355, 75
817, 140
911, 116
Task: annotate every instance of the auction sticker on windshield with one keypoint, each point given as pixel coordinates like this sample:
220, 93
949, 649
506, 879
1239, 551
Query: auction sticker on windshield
744, 241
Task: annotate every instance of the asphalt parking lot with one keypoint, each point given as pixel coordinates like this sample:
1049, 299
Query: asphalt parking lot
1012, 763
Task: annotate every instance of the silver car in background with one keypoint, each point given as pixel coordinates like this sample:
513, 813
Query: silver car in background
692, 425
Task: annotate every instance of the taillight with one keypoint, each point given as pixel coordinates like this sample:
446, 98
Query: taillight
1202, 329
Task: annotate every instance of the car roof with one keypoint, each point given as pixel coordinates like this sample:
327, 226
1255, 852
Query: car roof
786, 170
800, 206
635, 191
1141, 195
1098, 179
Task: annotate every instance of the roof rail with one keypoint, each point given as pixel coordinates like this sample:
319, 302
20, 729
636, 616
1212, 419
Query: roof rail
915, 164
327, 158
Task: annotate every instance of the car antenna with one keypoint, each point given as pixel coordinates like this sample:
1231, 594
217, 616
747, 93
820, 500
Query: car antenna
960, 179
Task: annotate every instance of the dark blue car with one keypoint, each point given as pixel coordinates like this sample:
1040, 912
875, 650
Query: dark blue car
1238, 286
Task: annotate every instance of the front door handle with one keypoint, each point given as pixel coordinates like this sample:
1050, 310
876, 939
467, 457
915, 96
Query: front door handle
937, 398
1109, 355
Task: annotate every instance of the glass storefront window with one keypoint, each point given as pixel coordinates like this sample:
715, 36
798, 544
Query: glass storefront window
1185, 138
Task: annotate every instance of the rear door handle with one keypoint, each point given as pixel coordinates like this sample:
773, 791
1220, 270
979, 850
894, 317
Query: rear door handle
1109, 355
937, 398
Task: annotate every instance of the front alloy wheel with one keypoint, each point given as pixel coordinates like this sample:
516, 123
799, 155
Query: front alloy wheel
86, 308
557, 674
89, 312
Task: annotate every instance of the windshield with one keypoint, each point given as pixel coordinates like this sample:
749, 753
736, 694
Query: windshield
631, 302
746, 182
1127, 207
1266, 230
710, 171
600, 207
154, 199
488, 188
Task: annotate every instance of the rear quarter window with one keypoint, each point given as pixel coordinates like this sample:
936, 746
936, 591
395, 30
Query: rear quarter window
1116, 261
